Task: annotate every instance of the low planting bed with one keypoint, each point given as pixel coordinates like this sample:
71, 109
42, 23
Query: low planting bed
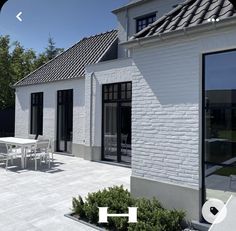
151, 215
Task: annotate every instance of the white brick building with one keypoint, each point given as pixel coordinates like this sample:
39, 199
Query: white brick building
161, 116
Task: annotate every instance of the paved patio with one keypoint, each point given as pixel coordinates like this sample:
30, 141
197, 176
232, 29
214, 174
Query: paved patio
219, 187
37, 200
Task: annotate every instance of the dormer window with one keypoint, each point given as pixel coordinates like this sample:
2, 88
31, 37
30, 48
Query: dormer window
145, 21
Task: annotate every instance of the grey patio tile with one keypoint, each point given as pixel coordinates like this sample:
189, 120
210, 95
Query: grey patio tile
37, 200
6, 220
60, 224
20, 227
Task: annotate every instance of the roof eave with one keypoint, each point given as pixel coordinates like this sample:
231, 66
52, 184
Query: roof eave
173, 34
48, 82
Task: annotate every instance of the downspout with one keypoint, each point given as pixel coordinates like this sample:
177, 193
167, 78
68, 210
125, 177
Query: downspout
91, 112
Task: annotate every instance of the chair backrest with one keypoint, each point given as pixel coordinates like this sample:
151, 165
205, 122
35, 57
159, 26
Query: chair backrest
44, 138
124, 138
43, 145
31, 137
41, 137
3, 148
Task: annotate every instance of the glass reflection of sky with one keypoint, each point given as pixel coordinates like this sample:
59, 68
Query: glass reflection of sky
220, 70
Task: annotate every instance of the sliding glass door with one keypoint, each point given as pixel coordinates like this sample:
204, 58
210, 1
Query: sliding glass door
116, 124
219, 112
64, 120
110, 131
125, 132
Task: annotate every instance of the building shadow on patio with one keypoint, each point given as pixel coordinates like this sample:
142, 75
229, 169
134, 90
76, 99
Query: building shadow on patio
16, 166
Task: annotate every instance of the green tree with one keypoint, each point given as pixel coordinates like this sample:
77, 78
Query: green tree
40, 60
5, 71
22, 62
16, 63
52, 51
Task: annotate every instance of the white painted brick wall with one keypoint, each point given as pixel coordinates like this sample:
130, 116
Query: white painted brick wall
22, 124
166, 105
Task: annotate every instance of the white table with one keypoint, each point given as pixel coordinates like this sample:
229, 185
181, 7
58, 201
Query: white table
22, 143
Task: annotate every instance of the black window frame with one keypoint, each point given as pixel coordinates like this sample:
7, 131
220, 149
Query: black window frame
142, 22
110, 89
202, 132
65, 97
112, 92
36, 101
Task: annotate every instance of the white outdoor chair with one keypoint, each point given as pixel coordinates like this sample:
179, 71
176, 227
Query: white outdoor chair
30, 136
40, 138
8, 153
30, 151
50, 150
124, 138
41, 152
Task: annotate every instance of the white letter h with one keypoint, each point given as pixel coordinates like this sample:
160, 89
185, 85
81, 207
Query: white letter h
132, 215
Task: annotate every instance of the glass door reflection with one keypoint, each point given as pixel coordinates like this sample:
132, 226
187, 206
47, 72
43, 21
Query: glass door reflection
110, 131
64, 120
125, 137
220, 125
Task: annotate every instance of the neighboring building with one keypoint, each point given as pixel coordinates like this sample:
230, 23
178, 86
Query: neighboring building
152, 98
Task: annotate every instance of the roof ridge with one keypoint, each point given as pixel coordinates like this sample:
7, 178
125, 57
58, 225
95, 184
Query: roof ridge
99, 34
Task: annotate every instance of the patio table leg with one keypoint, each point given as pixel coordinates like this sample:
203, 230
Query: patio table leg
22, 157
11, 156
25, 157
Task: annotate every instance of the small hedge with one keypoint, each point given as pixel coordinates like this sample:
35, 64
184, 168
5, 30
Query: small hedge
151, 215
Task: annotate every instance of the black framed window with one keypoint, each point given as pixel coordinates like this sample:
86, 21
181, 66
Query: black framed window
36, 120
143, 22
117, 91
116, 122
110, 92
219, 126
64, 120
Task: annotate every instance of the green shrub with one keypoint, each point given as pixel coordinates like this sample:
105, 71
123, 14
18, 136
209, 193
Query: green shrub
143, 226
169, 219
78, 207
116, 198
151, 215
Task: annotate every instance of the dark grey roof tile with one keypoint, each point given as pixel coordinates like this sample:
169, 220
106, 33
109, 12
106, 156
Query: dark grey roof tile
189, 14
72, 62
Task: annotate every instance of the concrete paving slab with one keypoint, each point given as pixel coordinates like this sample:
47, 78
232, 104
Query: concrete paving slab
229, 223
37, 200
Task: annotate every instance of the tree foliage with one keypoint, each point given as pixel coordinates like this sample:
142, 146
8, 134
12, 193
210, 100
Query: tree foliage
16, 62
52, 51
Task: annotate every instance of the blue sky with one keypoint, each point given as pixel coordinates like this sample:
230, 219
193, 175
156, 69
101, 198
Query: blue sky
67, 21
